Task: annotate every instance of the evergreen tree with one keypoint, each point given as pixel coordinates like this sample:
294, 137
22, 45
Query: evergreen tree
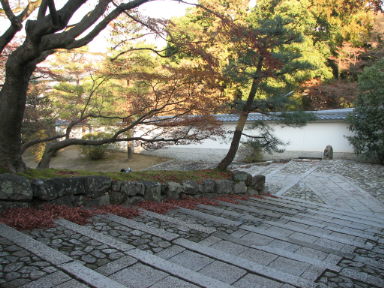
367, 121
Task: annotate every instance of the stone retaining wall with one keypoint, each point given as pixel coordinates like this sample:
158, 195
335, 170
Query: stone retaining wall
18, 191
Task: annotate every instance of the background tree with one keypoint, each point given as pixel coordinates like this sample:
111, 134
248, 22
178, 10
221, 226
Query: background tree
255, 57
49, 31
134, 90
367, 120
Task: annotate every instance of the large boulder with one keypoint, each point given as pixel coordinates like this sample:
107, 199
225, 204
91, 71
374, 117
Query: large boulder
54, 188
173, 190
152, 191
132, 188
15, 188
258, 183
97, 186
240, 188
224, 186
190, 187
207, 187
241, 176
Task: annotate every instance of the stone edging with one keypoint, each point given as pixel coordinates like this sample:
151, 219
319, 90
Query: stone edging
19, 191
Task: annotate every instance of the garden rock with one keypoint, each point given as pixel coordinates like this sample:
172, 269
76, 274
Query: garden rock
15, 187
190, 187
328, 153
224, 186
241, 176
173, 190
258, 183
54, 188
240, 188
97, 186
152, 191
132, 188
208, 186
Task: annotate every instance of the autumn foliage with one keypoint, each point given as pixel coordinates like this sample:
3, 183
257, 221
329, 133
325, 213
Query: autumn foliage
44, 216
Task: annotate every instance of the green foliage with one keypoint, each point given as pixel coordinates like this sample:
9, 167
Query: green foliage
95, 152
367, 121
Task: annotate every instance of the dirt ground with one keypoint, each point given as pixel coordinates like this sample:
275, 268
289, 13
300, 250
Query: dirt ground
70, 158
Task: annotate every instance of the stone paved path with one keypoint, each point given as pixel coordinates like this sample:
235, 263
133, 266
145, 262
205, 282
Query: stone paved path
334, 240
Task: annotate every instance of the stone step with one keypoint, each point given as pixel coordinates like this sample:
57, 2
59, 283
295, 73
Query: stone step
58, 259
245, 264
357, 214
320, 234
145, 257
330, 227
328, 248
209, 217
329, 263
311, 213
265, 212
178, 222
142, 227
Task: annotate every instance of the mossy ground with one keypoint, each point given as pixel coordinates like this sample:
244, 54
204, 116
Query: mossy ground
157, 176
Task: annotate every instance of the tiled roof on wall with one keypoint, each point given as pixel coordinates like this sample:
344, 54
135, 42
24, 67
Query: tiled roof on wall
335, 114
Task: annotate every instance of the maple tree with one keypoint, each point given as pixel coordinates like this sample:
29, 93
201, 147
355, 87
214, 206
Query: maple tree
52, 29
162, 103
253, 55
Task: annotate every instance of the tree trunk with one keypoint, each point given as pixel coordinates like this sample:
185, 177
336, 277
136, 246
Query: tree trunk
49, 152
12, 106
223, 165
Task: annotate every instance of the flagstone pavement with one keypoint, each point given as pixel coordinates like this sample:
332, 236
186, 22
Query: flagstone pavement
324, 227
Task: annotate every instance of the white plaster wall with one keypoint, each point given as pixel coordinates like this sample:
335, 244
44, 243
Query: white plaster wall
306, 141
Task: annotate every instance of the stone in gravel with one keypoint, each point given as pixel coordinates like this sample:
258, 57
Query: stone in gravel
17, 282
11, 276
98, 254
143, 247
77, 253
115, 256
114, 233
136, 232
163, 244
108, 251
41, 264
56, 242
12, 248
28, 269
20, 253
75, 241
36, 274
88, 259
12, 267
88, 249
50, 269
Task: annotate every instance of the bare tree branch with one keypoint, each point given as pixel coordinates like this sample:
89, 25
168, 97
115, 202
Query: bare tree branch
42, 10
157, 52
25, 146
53, 12
8, 35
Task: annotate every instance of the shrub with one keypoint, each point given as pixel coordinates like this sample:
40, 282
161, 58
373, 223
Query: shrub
95, 152
367, 120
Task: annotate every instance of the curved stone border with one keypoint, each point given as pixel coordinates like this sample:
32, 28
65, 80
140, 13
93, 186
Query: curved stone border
89, 191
